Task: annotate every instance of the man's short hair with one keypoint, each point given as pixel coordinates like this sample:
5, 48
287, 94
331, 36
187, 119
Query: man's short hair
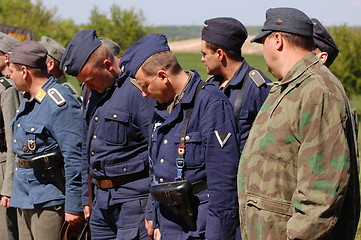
161, 61
298, 40
97, 57
232, 54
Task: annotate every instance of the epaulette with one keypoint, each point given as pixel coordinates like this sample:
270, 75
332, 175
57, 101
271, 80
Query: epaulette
134, 82
209, 78
56, 96
257, 78
5, 83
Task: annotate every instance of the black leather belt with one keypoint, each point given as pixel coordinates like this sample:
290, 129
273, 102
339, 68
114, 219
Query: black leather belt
121, 180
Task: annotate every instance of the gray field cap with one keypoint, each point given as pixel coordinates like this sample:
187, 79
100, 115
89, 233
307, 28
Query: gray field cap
29, 53
7, 42
55, 49
289, 20
113, 47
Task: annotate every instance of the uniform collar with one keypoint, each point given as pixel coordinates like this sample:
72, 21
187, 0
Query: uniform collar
161, 109
43, 90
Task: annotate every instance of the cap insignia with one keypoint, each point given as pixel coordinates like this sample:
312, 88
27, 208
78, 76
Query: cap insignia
279, 21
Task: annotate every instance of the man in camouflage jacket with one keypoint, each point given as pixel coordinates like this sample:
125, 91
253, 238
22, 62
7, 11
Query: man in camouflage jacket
298, 174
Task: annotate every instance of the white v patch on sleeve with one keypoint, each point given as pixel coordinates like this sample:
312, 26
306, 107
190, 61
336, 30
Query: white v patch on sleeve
222, 137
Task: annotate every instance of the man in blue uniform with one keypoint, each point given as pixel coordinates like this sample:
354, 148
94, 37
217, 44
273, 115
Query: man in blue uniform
9, 103
245, 86
117, 124
47, 144
195, 137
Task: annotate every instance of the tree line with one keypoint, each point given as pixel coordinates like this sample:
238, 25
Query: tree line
125, 26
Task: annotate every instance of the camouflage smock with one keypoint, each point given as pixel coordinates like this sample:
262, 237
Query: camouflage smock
298, 174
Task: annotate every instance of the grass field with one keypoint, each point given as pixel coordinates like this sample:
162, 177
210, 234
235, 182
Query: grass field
193, 61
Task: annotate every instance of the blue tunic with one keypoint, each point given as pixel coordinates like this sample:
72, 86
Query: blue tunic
116, 131
253, 97
51, 126
211, 121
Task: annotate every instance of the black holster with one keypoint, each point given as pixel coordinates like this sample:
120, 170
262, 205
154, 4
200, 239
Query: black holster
178, 197
51, 165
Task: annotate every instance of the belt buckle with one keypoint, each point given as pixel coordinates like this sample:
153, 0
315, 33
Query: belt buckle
106, 184
103, 183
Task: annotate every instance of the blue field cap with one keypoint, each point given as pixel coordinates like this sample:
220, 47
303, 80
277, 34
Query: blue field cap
289, 20
140, 51
225, 32
77, 52
324, 41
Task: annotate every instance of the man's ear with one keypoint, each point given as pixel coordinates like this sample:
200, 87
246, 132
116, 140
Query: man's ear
161, 74
108, 64
6, 57
50, 65
278, 40
323, 56
24, 71
220, 54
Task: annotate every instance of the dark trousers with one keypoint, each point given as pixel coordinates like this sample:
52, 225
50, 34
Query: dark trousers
123, 221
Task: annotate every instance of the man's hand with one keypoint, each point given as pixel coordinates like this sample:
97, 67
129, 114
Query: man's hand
152, 232
86, 211
156, 234
73, 219
5, 201
149, 227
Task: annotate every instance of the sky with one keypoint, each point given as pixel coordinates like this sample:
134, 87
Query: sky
194, 12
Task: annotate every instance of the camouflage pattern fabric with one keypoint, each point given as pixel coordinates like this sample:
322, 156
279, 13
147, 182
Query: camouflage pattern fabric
298, 174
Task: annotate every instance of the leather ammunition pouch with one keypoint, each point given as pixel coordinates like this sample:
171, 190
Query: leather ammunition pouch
50, 164
178, 196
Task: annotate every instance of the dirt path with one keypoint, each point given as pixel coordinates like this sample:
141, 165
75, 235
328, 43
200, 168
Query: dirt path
194, 45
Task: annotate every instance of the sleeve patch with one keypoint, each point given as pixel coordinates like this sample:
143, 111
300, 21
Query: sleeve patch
56, 96
257, 78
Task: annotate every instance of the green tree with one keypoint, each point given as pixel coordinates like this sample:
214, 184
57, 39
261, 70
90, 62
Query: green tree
347, 66
123, 26
42, 21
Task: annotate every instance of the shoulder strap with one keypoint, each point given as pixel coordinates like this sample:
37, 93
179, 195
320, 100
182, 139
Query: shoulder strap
239, 98
257, 77
55, 95
5, 83
181, 147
